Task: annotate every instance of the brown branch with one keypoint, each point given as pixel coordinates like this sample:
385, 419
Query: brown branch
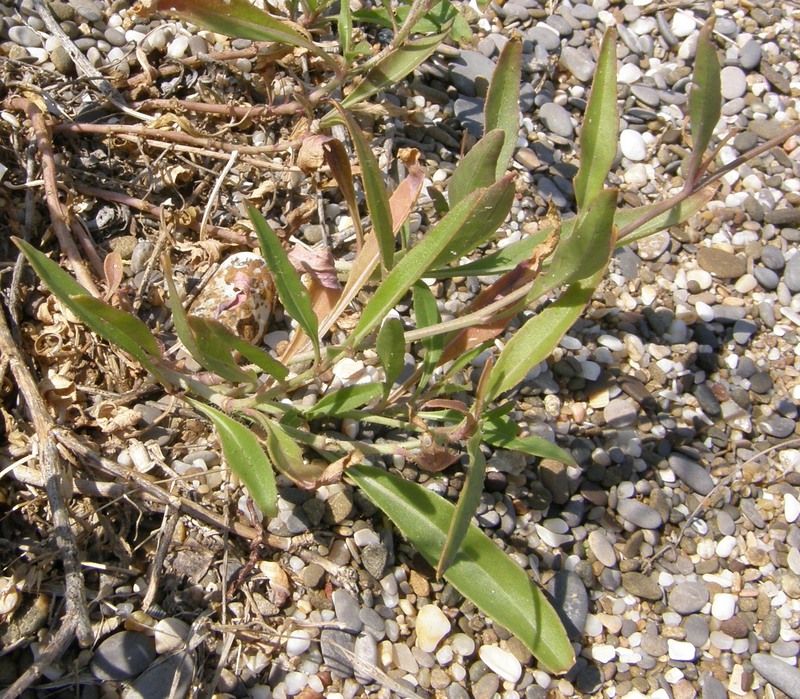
58, 213
253, 111
57, 482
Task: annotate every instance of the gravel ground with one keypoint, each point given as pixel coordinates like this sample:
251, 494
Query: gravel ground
673, 547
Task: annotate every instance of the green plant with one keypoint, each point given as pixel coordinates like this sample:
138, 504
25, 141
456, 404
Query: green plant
263, 426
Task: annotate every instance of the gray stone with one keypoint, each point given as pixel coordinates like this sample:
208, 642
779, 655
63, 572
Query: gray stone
654, 645
347, 611
471, 72
366, 650
544, 36
721, 263
642, 586
750, 55
337, 649
771, 628
712, 688
788, 216
778, 673
514, 12
688, 598
556, 119
772, 258
590, 679
486, 687
639, 514
88, 9
469, 112
578, 63
743, 330
123, 655
750, 511
170, 678
707, 400
571, 601
691, 473
791, 275
23, 35
553, 475
697, 631
602, 549
777, 426
768, 279
621, 412
374, 558
734, 82
728, 314
62, 61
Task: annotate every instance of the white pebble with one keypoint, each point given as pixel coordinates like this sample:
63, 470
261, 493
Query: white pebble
463, 645
726, 546
299, 642
177, 47
683, 24
603, 653
611, 342
681, 650
628, 655
629, 73
791, 508
169, 634
295, 682
704, 311
432, 626
501, 662
593, 627
793, 560
701, 278
723, 606
632, 145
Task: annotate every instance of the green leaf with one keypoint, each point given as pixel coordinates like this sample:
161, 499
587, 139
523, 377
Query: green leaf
413, 266
216, 354
391, 348
705, 97
502, 432
286, 454
468, 501
482, 224
477, 168
345, 28
391, 69
502, 101
345, 400
480, 570
536, 340
426, 311
293, 295
240, 19
375, 190
246, 458
600, 132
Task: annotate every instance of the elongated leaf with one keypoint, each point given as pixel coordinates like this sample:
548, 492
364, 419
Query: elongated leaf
393, 68
502, 432
502, 102
536, 340
482, 224
339, 163
468, 501
216, 354
600, 132
345, 400
122, 328
427, 313
345, 28
286, 454
705, 97
391, 349
480, 570
240, 19
245, 457
293, 295
413, 266
478, 167
375, 190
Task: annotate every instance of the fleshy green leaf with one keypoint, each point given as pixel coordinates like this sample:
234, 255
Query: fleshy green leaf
293, 295
375, 190
468, 501
392, 69
286, 454
705, 97
345, 400
480, 570
502, 101
413, 266
482, 224
245, 457
240, 19
345, 28
503, 433
426, 311
600, 132
536, 340
216, 354
121, 328
391, 348
478, 167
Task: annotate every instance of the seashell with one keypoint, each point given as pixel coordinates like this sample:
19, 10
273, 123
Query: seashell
240, 295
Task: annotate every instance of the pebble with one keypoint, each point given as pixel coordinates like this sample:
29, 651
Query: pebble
578, 63
556, 119
771, 627
791, 275
170, 634
501, 662
688, 598
750, 55
471, 72
681, 651
632, 145
734, 82
123, 655
621, 412
691, 473
602, 549
298, 642
170, 677
432, 626
571, 601
723, 606
639, 514
778, 673
721, 263
24, 36
791, 508
641, 585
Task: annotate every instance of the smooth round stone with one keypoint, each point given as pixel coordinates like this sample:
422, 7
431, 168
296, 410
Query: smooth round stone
123, 655
170, 634
767, 278
556, 119
771, 628
791, 275
653, 246
772, 258
725, 523
639, 514
23, 35
366, 649
691, 473
723, 606
170, 677
734, 82
621, 412
698, 280
501, 662
602, 549
642, 586
603, 653
697, 631
683, 24
791, 508
347, 611
432, 626
632, 145
681, 651
721, 263
688, 598
571, 601
629, 73
299, 642
750, 55
471, 72
777, 426
784, 676
462, 644
578, 63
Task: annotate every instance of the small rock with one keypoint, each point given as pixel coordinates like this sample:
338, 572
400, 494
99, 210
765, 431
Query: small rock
621, 412
688, 598
697, 630
374, 558
298, 642
501, 662
777, 426
691, 473
642, 586
791, 275
734, 82
681, 650
602, 549
471, 72
170, 678
553, 475
784, 676
723, 606
556, 119
653, 246
639, 514
771, 628
170, 634
123, 655
721, 263
432, 626
570, 600
347, 611
23, 35
632, 145
578, 63
750, 55
365, 649
336, 647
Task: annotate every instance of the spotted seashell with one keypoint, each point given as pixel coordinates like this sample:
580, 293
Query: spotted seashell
240, 295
